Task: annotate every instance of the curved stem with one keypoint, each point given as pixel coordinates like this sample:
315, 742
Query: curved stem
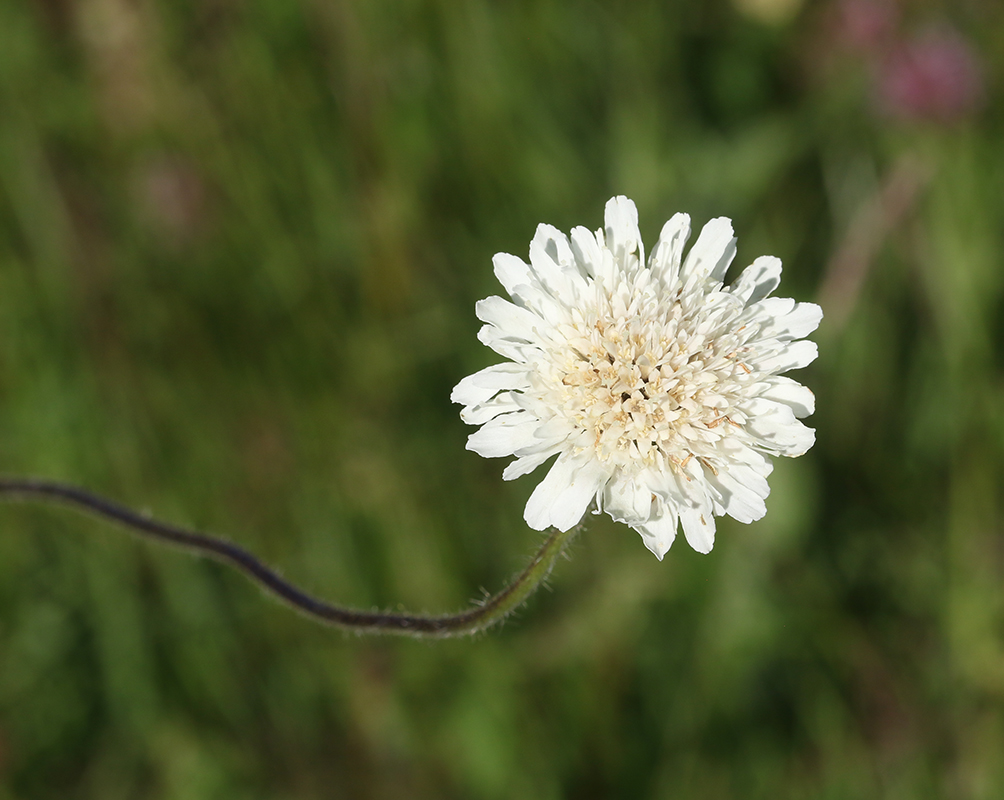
477, 618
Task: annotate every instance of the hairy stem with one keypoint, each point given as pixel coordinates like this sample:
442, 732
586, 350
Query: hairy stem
477, 618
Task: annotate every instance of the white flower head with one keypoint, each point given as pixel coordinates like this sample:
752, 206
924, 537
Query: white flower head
658, 388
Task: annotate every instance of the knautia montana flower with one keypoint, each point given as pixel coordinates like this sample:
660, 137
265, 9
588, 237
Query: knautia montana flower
658, 388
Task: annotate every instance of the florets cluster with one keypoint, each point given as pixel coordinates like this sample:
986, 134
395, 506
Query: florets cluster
658, 388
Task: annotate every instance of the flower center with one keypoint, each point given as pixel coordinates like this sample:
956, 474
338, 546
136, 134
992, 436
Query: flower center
648, 388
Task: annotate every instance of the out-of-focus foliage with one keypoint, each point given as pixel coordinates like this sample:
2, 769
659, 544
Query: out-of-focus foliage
240, 244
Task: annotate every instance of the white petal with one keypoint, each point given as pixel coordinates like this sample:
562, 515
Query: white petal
720, 308
504, 435
776, 428
555, 427
793, 356
482, 412
659, 532
738, 453
749, 477
552, 260
587, 251
784, 390
562, 497
768, 310
511, 271
620, 221
525, 464
628, 500
477, 388
555, 245
533, 297
668, 253
511, 320
514, 349
546, 437
712, 253
541, 444
739, 500
699, 528
669, 488
758, 280
798, 321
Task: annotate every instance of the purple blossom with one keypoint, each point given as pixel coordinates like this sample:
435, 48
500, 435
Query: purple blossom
934, 76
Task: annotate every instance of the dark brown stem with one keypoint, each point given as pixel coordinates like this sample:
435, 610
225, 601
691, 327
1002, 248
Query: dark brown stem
472, 620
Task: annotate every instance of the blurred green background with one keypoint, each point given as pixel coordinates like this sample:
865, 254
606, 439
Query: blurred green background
240, 246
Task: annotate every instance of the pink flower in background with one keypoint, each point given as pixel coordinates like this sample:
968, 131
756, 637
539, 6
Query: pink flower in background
935, 76
867, 24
